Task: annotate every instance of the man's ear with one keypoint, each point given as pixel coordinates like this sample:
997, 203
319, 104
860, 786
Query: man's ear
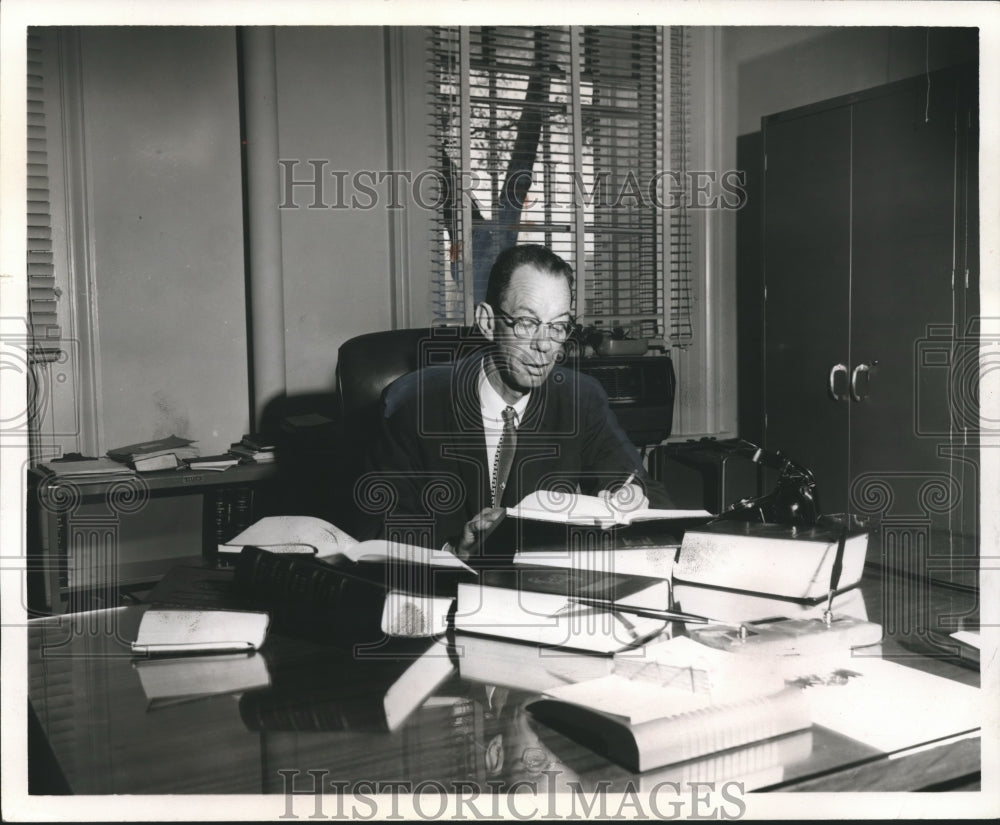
485, 320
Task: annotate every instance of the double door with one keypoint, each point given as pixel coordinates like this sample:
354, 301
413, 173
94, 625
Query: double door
871, 278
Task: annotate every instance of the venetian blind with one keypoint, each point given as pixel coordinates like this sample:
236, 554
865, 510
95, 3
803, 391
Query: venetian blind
42, 294
555, 135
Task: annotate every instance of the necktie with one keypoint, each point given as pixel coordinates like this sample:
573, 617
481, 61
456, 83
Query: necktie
505, 455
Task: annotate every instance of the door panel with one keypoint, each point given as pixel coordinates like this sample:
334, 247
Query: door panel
806, 270
904, 310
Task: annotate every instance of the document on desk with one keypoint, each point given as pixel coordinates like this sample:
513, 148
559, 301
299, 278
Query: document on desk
887, 705
197, 631
576, 508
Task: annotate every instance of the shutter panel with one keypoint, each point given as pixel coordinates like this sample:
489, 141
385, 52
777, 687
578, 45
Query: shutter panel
42, 294
582, 110
621, 103
681, 331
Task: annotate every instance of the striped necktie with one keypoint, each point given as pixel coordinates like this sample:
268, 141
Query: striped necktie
505, 455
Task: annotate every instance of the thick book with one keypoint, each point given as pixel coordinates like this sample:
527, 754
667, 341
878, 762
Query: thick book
772, 559
735, 606
90, 469
179, 630
645, 548
347, 602
556, 607
754, 766
643, 726
577, 508
655, 561
163, 461
347, 694
157, 446
526, 667
212, 462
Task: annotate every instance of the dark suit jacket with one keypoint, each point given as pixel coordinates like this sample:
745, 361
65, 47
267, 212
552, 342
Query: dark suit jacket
427, 474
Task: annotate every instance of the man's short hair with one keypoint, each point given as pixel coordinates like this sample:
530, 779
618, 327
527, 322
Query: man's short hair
519, 255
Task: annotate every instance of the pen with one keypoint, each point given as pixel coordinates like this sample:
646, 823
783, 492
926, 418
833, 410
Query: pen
838, 564
651, 613
629, 480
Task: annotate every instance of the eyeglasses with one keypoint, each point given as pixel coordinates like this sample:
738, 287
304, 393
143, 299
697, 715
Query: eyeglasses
525, 326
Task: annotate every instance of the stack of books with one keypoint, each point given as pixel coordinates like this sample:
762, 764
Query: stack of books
583, 532
85, 469
559, 607
214, 463
159, 454
253, 447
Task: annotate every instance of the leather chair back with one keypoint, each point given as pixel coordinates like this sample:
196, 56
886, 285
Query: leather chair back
367, 364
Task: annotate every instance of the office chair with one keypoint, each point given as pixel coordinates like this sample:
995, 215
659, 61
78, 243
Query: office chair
368, 363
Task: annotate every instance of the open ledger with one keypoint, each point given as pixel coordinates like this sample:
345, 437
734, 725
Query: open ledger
643, 726
308, 535
576, 508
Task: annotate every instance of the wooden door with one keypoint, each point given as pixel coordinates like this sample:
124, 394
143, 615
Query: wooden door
807, 301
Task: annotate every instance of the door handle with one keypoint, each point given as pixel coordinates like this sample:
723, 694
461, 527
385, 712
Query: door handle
862, 369
832, 380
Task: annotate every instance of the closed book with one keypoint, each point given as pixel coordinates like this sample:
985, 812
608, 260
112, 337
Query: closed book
725, 605
348, 693
522, 666
193, 586
164, 461
252, 454
257, 441
643, 727
771, 559
156, 446
212, 462
180, 630
754, 766
346, 602
93, 469
543, 605
646, 548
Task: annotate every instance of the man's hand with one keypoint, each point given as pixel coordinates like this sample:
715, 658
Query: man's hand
626, 498
476, 529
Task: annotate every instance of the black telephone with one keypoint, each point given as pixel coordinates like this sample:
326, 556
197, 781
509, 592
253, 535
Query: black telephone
794, 500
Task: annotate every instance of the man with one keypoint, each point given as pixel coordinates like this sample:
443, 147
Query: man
460, 443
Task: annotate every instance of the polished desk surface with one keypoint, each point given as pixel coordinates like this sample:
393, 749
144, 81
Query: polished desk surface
108, 737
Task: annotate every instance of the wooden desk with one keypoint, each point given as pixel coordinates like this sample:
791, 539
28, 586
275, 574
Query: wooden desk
108, 738
90, 538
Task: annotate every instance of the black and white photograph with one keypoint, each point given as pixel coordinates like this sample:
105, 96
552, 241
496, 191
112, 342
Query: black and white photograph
518, 411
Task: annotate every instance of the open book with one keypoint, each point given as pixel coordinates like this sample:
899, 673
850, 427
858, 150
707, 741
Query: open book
576, 508
307, 535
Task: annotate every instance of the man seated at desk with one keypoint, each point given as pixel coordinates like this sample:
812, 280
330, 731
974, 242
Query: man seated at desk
460, 442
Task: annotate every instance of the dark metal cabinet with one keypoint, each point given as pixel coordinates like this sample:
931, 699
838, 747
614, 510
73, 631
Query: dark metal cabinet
870, 281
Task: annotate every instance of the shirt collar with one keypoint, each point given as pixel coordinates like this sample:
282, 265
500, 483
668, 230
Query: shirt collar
493, 405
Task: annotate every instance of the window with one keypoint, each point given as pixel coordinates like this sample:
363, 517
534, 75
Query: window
42, 294
556, 135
